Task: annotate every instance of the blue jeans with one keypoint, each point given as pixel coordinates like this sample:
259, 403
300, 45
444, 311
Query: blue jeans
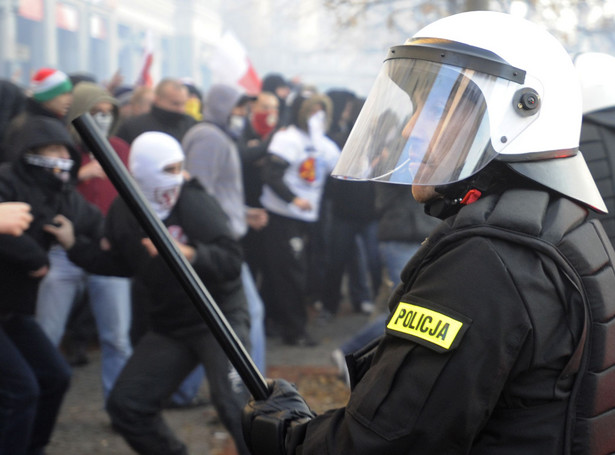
109, 299
352, 245
368, 333
257, 319
33, 380
365, 262
395, 256
189, 388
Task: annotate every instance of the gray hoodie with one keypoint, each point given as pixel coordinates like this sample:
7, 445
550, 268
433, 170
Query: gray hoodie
212, 157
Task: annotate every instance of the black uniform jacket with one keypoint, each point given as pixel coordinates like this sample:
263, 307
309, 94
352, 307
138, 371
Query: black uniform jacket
481, 330
198, 220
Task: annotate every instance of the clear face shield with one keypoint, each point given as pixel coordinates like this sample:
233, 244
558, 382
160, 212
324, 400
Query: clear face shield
430, 123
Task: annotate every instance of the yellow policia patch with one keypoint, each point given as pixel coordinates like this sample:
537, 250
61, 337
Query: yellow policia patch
422, 325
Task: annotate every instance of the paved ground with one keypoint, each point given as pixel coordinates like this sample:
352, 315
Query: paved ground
83, 427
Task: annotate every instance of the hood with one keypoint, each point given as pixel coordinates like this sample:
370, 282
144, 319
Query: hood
43, 131
150, 152
220, 101
272, 82
339, 98
85, 96
302, 106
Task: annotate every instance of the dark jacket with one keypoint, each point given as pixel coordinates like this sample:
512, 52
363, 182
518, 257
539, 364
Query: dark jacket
400, 217
485, 322
597, 144
157, 119
339, 131
252, 150
198, 220
48, 197
352, 200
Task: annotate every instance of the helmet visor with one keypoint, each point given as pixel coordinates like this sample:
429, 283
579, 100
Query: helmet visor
424, 123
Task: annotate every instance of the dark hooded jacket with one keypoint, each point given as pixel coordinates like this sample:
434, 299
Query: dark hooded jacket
252, 150
197, 219
10, 142
339, 130
351, 200
272, 82
48, 196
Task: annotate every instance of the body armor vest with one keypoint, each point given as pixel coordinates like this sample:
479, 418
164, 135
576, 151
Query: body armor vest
557, 228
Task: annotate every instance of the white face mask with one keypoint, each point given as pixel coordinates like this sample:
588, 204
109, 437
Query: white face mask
162, 192
236, 124
317, 123
59, 167
149, 154
103, 121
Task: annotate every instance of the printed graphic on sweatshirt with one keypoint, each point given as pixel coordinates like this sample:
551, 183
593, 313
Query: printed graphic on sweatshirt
307, 170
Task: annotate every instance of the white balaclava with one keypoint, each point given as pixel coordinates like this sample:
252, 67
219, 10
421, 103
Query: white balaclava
149, 154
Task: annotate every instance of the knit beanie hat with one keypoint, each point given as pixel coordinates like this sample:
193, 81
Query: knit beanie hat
48, 83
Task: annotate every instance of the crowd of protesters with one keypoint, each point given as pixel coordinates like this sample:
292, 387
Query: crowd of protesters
242, 182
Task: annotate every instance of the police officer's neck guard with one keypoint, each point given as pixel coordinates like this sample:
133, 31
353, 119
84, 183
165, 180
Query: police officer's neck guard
495, 178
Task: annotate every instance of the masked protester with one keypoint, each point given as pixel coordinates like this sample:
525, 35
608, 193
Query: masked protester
498, 336
178, 339
167, 113
252, 146
298, 161
108, 297
213, 159
34, 374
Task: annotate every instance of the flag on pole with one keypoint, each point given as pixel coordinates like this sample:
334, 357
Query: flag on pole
230, 65
144, 78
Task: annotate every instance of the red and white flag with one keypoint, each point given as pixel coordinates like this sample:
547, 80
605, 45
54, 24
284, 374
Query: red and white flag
230, 65
144, 78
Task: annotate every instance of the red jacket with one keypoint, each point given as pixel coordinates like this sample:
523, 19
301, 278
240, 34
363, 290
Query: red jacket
101, 192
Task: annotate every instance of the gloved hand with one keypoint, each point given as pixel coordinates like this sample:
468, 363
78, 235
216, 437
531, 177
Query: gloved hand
273, 426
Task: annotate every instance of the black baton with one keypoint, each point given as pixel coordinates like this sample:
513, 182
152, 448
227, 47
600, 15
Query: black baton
194, 287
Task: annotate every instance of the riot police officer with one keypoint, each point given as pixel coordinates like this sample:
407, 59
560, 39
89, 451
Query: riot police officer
496, 341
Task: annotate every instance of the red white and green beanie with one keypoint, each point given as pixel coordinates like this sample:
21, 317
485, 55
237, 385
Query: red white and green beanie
48, 83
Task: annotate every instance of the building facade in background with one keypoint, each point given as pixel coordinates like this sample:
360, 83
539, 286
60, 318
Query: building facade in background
326, 43
101, 37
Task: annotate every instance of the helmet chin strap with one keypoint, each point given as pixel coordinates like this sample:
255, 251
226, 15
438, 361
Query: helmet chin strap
455, 195
444, 206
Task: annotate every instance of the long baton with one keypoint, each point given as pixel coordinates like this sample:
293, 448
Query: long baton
194, 287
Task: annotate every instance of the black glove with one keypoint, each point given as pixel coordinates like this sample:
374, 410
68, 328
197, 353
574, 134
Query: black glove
273, 426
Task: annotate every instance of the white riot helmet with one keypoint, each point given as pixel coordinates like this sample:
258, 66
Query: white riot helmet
464, 91
597, 75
